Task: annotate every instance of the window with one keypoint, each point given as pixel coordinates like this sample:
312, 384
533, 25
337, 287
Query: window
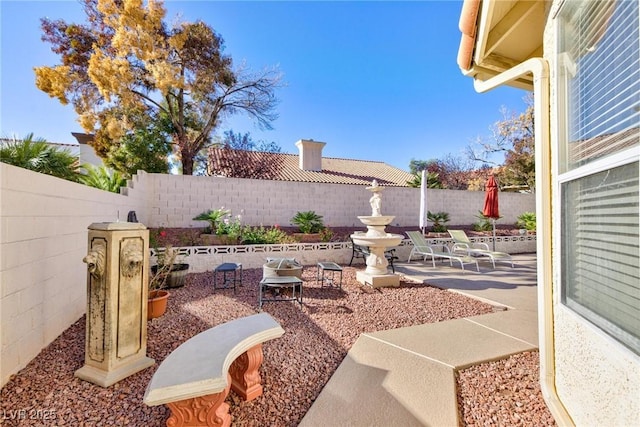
599, 93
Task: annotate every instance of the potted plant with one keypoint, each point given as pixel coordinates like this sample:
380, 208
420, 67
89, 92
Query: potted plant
310, 225
167, 255
158, 297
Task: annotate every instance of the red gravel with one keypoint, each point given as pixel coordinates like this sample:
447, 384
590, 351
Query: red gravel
296, 366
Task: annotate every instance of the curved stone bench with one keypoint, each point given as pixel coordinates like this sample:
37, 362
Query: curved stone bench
195, 378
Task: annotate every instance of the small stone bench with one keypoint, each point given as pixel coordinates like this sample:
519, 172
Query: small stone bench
194, 380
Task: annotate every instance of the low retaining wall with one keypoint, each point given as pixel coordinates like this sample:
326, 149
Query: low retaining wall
206, 258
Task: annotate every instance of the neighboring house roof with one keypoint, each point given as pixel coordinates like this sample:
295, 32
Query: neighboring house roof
498, 35
334, 170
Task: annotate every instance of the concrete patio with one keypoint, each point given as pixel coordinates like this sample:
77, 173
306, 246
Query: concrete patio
406, 376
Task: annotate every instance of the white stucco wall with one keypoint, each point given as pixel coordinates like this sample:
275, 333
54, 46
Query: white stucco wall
597, 378
43, 238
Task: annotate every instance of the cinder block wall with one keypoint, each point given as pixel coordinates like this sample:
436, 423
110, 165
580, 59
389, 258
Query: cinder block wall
44, 220
43, 238
175, 200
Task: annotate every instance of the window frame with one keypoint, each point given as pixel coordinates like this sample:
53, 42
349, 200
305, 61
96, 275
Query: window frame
566, 174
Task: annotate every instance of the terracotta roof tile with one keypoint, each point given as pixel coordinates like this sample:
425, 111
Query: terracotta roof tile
334, 170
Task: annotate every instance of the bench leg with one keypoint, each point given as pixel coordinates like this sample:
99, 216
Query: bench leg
245, 378
210, 411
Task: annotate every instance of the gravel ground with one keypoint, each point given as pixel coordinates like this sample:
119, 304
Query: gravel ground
295, 368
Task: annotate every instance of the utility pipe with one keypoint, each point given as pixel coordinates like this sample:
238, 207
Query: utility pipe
539, 67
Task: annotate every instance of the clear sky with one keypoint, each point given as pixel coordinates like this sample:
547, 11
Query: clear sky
374, 80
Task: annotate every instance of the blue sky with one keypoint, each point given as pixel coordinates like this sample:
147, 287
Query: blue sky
374, 80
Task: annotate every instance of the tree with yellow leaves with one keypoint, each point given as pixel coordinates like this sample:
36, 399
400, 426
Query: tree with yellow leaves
125, 63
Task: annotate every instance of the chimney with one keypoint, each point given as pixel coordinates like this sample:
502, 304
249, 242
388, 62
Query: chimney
310, 154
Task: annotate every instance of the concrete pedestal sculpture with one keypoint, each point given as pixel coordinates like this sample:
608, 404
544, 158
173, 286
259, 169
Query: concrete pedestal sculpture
378, 240
117, 288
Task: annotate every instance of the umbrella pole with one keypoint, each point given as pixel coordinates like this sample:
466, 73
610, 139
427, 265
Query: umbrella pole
494, 234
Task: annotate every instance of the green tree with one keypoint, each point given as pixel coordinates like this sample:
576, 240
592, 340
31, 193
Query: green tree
513, 137
451, 172
38, 156
103, 178
146, 148
238, 141
125, 61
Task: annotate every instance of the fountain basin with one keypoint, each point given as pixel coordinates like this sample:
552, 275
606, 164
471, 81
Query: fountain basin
376, 220
385, 240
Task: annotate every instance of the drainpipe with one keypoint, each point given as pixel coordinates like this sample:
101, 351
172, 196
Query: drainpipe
539, 67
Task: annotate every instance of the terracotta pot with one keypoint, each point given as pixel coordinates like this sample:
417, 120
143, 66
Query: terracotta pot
157, 303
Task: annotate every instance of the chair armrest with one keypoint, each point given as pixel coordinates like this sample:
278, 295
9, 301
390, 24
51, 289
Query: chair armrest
462, 246
480, 245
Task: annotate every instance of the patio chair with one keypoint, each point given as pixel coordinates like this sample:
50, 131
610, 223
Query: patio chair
462, 243
421, 247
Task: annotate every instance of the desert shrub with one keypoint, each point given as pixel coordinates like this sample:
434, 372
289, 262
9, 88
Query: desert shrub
527, 221
484, 223
439, 219
308, 222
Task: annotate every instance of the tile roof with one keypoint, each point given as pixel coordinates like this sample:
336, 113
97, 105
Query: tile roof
334, 170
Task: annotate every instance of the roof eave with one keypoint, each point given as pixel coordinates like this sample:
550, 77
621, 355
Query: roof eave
489, 29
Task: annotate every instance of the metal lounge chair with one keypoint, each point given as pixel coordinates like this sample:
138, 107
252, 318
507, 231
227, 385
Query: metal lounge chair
421, 247
462, 244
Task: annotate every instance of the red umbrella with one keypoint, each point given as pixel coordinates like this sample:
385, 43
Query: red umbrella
491, 199
491, 204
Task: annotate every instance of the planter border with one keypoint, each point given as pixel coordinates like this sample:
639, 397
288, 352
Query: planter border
205, 258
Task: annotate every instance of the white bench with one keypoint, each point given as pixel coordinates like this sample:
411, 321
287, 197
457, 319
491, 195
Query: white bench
195, 378
445, 253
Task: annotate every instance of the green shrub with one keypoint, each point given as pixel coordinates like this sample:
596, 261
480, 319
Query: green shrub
216, 219
103, 178
36, 155
326, 234
439, 219
527, 221
484, 224
308, 222
261, 235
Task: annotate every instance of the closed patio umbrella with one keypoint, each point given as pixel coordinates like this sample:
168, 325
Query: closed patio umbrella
423, 202
491, 204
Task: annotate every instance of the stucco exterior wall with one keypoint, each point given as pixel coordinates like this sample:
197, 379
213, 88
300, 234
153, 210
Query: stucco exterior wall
596, 377
43, 238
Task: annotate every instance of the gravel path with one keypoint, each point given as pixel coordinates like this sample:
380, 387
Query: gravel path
296, 366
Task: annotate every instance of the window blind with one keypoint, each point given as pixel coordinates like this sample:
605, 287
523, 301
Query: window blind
604, 94
600, 225
602, 258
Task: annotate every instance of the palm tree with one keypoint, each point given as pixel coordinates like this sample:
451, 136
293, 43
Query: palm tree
103, 178
38, 156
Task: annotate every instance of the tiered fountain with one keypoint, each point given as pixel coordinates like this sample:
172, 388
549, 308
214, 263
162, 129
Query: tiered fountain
378, 240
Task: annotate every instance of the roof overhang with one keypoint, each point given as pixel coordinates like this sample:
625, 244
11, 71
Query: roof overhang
500, 34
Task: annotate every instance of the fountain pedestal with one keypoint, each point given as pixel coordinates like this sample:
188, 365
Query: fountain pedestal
378, 240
